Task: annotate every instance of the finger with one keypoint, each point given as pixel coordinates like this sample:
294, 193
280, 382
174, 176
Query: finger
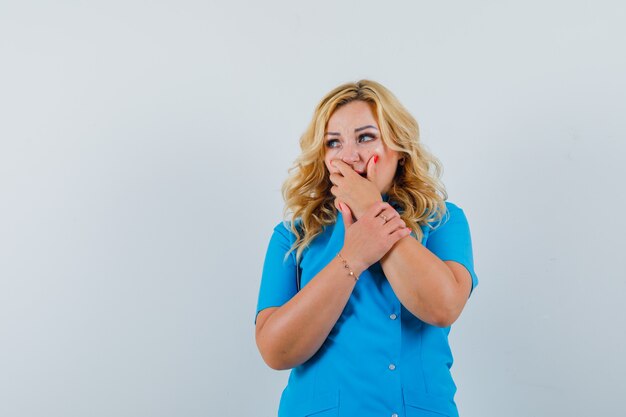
333, 168
393, 225
335, 178
389, 213
371, 167
385, 217
334, 190
377, 208
345, 169
399, 234
346, 213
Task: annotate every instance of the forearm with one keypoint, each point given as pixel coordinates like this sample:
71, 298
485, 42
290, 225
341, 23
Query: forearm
423, 283
296, 330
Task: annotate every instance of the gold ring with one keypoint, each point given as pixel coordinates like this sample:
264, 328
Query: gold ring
384, 218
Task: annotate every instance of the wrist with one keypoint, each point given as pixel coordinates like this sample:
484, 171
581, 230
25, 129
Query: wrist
355, 264
357, 216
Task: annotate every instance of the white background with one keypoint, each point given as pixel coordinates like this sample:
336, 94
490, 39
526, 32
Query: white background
142, 150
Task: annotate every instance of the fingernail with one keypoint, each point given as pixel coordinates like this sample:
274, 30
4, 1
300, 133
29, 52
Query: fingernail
375, 158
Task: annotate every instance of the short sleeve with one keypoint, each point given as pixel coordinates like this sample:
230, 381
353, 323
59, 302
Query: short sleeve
278, 281
451, 240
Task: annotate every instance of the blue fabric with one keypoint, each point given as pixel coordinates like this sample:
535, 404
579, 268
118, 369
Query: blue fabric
351, 375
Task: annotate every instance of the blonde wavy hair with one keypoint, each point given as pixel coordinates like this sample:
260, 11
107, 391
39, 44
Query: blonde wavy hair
416, 189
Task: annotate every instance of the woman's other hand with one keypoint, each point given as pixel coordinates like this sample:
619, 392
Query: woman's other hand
370, 237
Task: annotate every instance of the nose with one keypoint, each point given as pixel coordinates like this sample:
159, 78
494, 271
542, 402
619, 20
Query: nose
349, 154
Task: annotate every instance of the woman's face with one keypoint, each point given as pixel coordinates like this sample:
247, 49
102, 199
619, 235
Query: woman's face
353, 136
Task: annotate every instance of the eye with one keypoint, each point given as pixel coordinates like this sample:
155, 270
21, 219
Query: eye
367, 137
332, 143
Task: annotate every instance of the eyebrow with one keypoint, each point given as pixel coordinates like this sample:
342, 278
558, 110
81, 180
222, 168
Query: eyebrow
355, 130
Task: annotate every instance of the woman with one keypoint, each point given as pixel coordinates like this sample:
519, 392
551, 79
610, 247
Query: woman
360, 288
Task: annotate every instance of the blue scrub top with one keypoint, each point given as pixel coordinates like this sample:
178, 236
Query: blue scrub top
379, 359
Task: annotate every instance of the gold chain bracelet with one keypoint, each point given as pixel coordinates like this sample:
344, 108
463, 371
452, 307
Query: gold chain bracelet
345, 265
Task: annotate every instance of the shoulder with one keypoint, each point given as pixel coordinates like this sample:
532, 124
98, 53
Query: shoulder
283, 228
453, 213
452, 206
453, 210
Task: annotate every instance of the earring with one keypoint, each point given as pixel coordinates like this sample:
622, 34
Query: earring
401, 162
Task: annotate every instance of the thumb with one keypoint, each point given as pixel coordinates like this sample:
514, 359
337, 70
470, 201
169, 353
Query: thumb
346, 214
371, 168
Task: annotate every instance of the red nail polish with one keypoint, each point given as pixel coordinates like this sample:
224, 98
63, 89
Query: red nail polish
375, 158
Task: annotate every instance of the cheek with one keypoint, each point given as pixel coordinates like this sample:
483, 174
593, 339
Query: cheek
379, 150
327, 158
385, 158
368, 153
388, 167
